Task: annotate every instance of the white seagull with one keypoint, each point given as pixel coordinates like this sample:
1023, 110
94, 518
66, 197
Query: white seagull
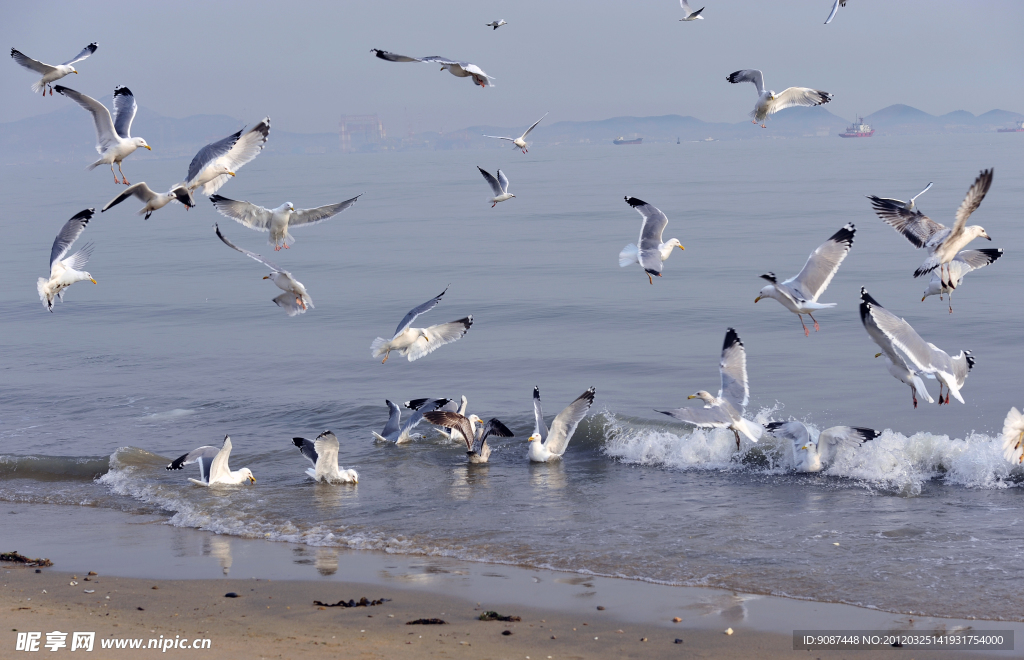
943, 243
799, 294
652, 251
496, 24
909, 206
835, 8
277, 221
216, 162
1013, 436
417, 342
64, 270
49, 72
153, 200
454, 67
898, 367
549, 445
447, 405
519, 142
963, 263
894, 335
473, 430
113, 135
768, 102
809, 454
213, 466
294, 300
724, 411
398, 433
323, 454
499, 186
690, 15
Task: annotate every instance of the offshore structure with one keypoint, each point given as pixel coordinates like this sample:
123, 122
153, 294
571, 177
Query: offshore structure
360, 133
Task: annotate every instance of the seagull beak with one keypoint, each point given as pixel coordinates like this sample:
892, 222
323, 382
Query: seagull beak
266, 277
149, 147
231, 173
879, 354
681, 247
758, 298
252, 479
692, 396
922, 300
92, 280
74, 72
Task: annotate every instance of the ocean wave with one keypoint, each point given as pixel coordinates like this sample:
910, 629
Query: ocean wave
53, 468
168, 414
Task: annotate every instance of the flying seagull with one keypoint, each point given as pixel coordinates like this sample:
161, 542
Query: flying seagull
519, 142
835, 8
499, 186
294, 300
897, 365
810, 453
907, 206
496, 24
895, 335
799, 294
417, 342
689, 14
113, 135
454, 67
214, 163
398, 433
964, 262
49, 72
65, 270
943, 243
277, 221
724, 411
473, 430
768, 102
652, 251
153, 200
323, 454
213, 466
1013, 436
549, 445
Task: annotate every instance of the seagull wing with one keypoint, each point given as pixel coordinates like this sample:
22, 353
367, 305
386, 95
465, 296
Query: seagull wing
794, 96
733, 366
105, 135
649, 245
241, 152
326, 445
823, 263
539, 427
452, 420
973, 260
491, 181
503, 181
499, 137
210, 153
832, 14
493, 427
419, 309
31, 64
748, 75
916, 226
202, 455
140, 190
125, 108
288, 302
830, 440
307, 449
250, 215
68, 234
394, 424
972, 201
86, 52
252, 255
534, 126
321, 213
792, 430
219, 467
714, 417
393, 57
903, 337
565, 423
437, 336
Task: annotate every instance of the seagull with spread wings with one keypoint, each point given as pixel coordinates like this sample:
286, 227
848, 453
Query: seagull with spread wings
768, 102
397, 432
499, 186
323, 454
547, 445
294, 300
448, 405
809, 454
213, 466
417, 342
50, 72
154, 200
113, 134
454, 67
519, 142
652, 251
964, 262
277, 221
473, 430
799, 294
496, 24
66, 270
689, 14
724, 411
216, 162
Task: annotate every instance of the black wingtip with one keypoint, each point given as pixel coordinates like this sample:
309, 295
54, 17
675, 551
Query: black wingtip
536, 392
177, 464
84, 215
731, 338
634, 202
844, 235
663, 412
732, 76
298, 442
121, 90
60, 89
770, 277
866, 303
970, 360
866, 433
499, 429
774, 426
92, 47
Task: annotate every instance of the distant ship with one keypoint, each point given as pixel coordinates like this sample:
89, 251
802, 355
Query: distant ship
622, 140
1019, 128
858, 129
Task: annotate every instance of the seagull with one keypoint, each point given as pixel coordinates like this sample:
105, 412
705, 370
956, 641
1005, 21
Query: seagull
323, 454
964, 262
477, 450
495, 24
153, 200
799, 294
690, 15
808, 453
1013, 436
725, 410
894, 335
398, 433
113, 136
897, 366
456, 68
294, 300
447, 405
652, 251
943, 243
277, 221
214, 163
549, 445
213, 466
417, 342
768, 102
908, 206
499, 186
835, 8
519, 142
65, 271
50, 73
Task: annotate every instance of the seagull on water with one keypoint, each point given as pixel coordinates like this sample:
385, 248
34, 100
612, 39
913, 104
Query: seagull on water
323, 454
454, 67
277, 221
153, 200
896, 337
417, 342
724, 411
398, 433
499, 186
519, 142
964, 262
810, 453
113, 135
496, 24
1013, 436
213, 466
216, 162
65, 270
835, 8
689, 14
799, 294
768, 102
294, 300
49, 72
448, 405
549, 445
652, 251
473, 430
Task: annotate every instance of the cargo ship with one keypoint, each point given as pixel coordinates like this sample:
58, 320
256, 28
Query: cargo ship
1019, 128
622, 140
858, 129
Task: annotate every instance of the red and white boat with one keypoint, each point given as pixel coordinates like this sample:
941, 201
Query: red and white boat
858, 129
1019, 128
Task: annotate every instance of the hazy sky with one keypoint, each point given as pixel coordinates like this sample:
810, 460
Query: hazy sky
305, 63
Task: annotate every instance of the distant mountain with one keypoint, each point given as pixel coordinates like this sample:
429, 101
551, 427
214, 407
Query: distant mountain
904, 120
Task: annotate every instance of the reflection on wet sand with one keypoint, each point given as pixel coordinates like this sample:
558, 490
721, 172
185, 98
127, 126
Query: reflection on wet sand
731, 608
326, 560
218, 547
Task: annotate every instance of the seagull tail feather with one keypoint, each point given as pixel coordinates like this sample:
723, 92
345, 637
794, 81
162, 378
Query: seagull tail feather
629, 255
378, 346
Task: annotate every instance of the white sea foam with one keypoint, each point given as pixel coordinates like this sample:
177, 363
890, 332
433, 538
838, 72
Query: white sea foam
168, 414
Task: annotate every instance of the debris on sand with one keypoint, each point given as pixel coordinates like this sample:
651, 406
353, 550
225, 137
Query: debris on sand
426, 622
491, 615
18, 558
362, 602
